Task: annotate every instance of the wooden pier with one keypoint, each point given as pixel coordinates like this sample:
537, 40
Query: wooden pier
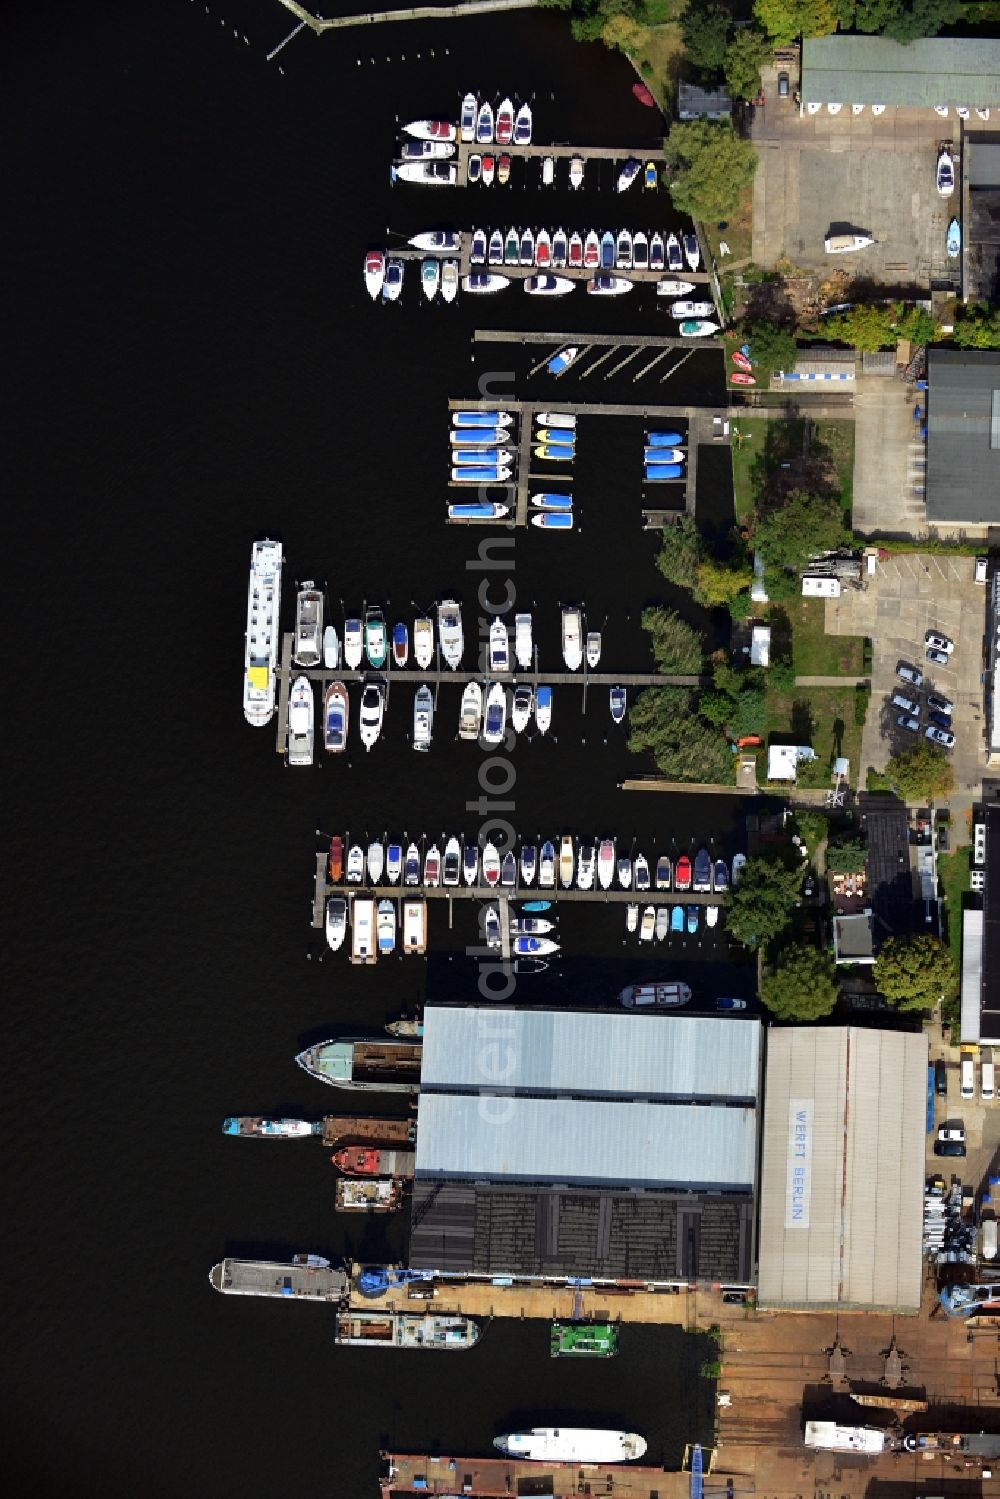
500, 1478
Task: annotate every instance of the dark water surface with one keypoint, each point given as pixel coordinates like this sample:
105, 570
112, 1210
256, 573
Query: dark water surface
192, 361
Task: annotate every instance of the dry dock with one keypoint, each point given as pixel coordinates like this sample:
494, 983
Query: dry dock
499, 1478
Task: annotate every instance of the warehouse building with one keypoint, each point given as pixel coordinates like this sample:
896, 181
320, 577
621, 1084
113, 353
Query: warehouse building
841, 1191
963, 436
874, 70
609, 1146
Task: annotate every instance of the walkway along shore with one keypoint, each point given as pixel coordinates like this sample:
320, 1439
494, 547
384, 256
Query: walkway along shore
319, 24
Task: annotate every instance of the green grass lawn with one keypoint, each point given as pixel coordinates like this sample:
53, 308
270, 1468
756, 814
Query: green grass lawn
749, 433
814, 653
953, 872
820, 716
738, 233
836, 440
760, 448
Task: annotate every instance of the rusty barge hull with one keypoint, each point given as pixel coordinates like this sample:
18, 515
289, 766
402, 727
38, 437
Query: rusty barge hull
343, 1129
498, 1478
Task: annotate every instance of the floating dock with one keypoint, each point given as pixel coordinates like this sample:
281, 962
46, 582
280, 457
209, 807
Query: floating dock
501, 1478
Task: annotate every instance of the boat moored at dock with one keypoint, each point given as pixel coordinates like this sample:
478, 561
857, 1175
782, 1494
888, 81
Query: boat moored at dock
307, 648
301, 723
361, 1329
550, 1444
309, 1277
371, 1195
665, 995
257, 1127
262, 633
583, 1340
372, 1160
365, 1063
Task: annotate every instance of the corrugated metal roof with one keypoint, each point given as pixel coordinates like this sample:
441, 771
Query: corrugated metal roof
972, 974
842, 1168
613, 1054
589, 1142
984, 164
963, 467
874, 70
693, 101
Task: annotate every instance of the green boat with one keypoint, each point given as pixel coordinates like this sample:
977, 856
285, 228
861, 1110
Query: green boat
583, 1340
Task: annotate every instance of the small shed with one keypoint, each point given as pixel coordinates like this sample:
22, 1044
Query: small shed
694, 103
783, 760
760, 645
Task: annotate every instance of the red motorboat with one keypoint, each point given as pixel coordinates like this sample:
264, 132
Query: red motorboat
643, 95
335, 860
575, 251
741, 361
740, 379
505, 123
682, 873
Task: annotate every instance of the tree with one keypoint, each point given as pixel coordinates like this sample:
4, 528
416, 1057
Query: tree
760, 906
737, 703
802, 987
662, 722
711, 167
847, 857
977, 327
806, 525
717, 583
812, 827
865, 328
705, 28
916, 18
922, 773
784, 20
681, 550
742, 63
676, 645
915, 973
771, 346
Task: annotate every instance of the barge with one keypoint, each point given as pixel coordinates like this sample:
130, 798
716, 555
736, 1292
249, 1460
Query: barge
499, 1478
404, 1330
367, 1129
364, 1062
583, 1340
374, 1195
309, 1277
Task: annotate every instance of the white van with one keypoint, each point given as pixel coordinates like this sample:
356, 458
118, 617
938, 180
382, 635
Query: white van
986, 1079
968, 1073
988, 1238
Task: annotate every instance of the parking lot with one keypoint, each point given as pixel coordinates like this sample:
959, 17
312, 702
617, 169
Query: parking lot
981, 1121
910, 594
866, 173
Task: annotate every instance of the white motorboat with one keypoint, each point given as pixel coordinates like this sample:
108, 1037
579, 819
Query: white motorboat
470, 863
262, 633
386, 928
471, 715
427, 173
415, 927
307, 649
567, 861
648, 926
430, 277
430, 130
547, 866
544, 284
452, 861
363, 938
641, 870
625, 871
844, 244
491, 927
531, 926
558, 419
354, 643
411, 867
538, 947
523, 126
548, 171
432, 867
657, 252
697, 328
394, 863
691, 309
593, 649
449, 280
640, 251
586, 866
301, 723
355, 864
437, 241
491, 865
606, 863
675, 259
392, 286
423, 642
662, 923
477, 251
543, 709
572, 642
423, 718
467, 125
711, 915
523, 651
623, 250
576, 172
336, 922
484, 124
692, 251
560, 249
494, 254
628, 174
331, 648
631, 917
374, 273
499, 648
375, 861
664, 869
669, 287
618, 703
450, 633
945, 174
508, 870
335, 713
520, 711
371, 713
495, 719
606, 285
484, 283
529, 863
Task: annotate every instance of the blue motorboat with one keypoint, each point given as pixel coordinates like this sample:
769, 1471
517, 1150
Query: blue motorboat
552, 501
664, 455
663, 439
479, 510
692, 919
471, 436
480, 419
555, 452
657, 472
720, 875
557, 434
677, 919
543, 709
608, 252
477, 458
484, 475
562, 360
553, 520
537, 905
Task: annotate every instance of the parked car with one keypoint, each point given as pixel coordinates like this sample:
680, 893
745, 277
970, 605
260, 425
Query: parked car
952, 1129
731, 1004
944, 842
912, 724
908, 704
782, 85
949, 1147
939, 658
941, 1078
967, 1074
941, 720
939, 642
909, 673
940, 704
939, 736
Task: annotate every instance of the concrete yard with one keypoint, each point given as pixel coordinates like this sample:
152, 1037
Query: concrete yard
889, 469
874, 175
910, 594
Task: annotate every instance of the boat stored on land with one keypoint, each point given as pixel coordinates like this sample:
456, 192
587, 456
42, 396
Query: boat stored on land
844, 244
551, 1444
360, 1329
655, 996
364, 1063
262, 633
